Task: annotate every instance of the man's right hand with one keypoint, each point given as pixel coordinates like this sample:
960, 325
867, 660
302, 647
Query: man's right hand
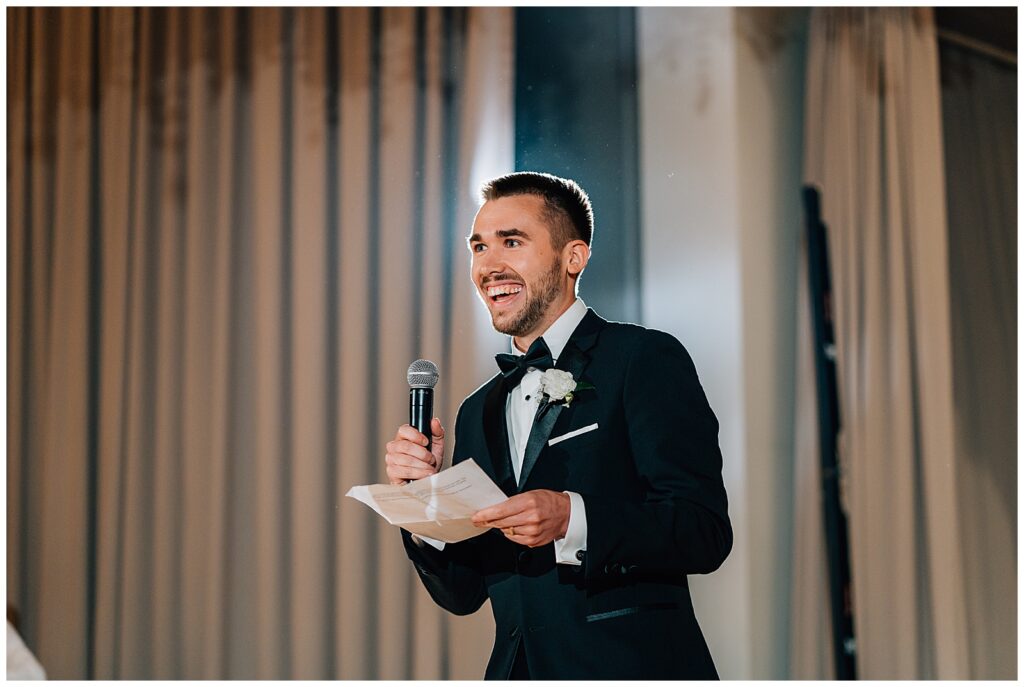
407, 455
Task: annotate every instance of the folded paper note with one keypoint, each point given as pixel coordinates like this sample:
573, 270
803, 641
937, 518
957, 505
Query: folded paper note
439, 506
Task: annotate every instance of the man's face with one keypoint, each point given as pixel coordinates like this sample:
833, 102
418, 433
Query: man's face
517, 271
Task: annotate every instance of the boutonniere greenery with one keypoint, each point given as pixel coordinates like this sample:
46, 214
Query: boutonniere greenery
558, 387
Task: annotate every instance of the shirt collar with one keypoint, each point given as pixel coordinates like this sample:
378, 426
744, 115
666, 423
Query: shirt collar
557, 335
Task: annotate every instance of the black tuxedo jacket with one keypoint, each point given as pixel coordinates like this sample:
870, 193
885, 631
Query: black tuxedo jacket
651, 480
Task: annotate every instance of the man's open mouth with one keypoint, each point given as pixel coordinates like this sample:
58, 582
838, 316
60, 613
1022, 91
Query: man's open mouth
502, 294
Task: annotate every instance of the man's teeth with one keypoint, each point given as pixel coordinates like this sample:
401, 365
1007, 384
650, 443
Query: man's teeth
503, 290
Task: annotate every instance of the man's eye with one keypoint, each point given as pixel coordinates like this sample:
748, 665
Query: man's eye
477, 247
512, 243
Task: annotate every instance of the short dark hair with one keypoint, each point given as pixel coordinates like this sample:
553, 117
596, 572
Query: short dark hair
567, 206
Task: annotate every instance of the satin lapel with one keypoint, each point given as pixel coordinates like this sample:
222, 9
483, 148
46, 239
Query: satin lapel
574, 360
496, 435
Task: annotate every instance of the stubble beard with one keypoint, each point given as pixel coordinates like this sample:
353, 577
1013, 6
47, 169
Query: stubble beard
544, 293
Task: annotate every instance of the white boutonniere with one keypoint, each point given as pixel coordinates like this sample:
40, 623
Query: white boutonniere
558, 386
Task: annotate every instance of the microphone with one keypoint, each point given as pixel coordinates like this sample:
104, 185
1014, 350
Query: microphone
422, 377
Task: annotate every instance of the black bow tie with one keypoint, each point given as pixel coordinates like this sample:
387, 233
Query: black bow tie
513, 367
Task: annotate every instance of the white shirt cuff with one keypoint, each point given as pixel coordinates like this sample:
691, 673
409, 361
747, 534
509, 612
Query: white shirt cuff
439, 545
569, 550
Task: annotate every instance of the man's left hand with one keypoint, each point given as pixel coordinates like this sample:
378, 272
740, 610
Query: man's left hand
533, 518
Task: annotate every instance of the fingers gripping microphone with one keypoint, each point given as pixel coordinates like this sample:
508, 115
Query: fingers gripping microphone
422, 378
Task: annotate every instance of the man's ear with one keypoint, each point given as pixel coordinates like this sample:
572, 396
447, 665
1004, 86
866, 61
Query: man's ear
578, 253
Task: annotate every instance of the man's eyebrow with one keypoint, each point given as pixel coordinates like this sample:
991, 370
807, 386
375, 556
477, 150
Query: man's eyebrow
501, 233
505, 233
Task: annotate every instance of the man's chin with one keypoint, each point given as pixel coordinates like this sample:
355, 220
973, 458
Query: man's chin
501, 323
505, 322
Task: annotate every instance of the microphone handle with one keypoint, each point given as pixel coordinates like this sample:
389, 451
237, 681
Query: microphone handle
421, 410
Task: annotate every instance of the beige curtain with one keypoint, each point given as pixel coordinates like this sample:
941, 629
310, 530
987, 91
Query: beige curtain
230, 231
979, 118
874, 148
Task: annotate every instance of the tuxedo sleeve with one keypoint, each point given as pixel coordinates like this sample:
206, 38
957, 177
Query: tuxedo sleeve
451, 575
681, 525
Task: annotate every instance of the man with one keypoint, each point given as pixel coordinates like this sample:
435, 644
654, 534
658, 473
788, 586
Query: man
615, 488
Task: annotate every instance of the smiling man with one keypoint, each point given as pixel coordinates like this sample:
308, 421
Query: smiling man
602, 437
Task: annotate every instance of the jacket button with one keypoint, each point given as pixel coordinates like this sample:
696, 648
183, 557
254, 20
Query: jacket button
622, 570
524, 557
514, 632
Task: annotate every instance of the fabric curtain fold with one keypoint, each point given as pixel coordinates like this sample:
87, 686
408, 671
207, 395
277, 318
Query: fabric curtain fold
873, 147
230, 231
979, 119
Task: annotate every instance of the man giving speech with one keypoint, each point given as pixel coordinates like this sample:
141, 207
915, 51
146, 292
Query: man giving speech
602, 438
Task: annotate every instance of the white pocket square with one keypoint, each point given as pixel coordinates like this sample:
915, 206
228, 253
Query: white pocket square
573, 433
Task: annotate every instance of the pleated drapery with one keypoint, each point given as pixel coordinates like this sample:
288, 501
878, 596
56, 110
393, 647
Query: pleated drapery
979, 118
229, 232
873, 146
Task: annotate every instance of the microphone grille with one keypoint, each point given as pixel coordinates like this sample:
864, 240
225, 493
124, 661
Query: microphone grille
423, 374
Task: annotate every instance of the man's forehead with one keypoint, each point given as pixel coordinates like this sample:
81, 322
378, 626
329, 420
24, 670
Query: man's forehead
522, 212
522, 204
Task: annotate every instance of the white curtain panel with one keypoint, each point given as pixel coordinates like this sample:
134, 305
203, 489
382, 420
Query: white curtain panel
979, 117
873, 146
231, 230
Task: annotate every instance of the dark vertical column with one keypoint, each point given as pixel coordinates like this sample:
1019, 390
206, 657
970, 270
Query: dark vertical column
332, 221
576, 116
837, 547
416, 268
453, 32
25, 157
127, 377
238, 585
372, 621
95, 299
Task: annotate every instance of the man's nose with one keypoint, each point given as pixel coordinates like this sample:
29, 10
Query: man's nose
489, 262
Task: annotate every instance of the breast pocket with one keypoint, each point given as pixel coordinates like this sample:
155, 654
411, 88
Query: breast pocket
576, 435
632, 610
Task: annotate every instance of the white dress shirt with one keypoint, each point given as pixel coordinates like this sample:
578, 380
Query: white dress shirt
520, 408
